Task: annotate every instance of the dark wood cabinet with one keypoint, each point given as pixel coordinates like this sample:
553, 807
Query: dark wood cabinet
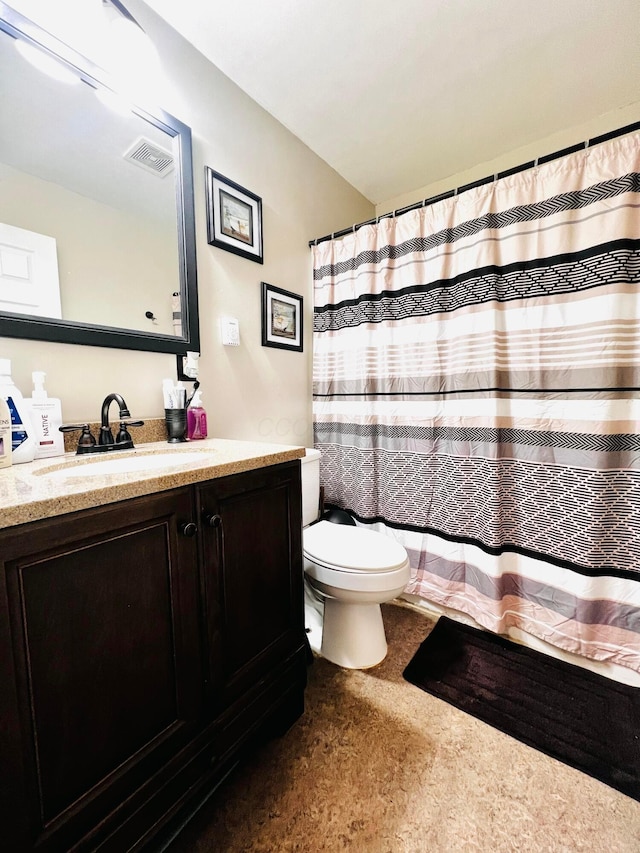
250, 530
142, 645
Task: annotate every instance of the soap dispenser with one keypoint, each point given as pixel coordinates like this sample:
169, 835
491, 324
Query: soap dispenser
23, 446
196, 418
46, 417
5, 434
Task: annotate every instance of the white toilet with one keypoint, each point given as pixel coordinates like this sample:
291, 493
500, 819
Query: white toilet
351, 571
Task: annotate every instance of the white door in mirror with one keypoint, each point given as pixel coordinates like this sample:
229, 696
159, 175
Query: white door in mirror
29, 282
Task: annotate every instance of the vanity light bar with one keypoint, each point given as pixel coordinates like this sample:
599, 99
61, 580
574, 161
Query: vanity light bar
116, 4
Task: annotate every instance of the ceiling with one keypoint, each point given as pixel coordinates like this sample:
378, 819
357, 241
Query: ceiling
398, 95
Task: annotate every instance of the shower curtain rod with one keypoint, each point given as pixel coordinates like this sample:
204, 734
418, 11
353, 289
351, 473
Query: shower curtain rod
589, 143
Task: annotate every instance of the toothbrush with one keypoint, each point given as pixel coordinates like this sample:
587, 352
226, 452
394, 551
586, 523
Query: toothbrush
196, 385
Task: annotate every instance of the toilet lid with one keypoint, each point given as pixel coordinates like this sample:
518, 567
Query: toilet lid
347, 548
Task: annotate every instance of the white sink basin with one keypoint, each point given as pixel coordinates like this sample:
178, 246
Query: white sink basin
138, 463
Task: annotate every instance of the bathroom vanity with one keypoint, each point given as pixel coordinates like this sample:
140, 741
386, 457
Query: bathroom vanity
151, 629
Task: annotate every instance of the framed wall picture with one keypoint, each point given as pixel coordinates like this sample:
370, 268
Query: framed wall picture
234, 217
281, 318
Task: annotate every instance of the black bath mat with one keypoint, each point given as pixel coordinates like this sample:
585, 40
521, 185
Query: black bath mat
569, 713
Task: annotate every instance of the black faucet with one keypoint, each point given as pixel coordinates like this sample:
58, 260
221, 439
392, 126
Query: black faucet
106, 436
106, 441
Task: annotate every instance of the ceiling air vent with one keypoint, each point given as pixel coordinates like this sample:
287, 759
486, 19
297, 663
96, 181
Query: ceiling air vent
150, 156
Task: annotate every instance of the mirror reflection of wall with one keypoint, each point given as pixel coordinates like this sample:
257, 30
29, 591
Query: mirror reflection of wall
64, 173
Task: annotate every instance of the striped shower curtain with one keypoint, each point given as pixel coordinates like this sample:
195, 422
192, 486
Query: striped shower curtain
476, 396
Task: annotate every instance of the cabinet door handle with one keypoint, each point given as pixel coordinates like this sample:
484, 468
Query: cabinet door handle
211, 520
189, 528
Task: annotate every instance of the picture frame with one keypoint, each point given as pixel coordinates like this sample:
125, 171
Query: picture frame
281, 318
234, 217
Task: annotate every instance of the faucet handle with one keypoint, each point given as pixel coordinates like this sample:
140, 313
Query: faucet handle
86, 439
123, 433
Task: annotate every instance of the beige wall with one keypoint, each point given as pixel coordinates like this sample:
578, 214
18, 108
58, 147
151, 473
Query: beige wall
251, 391
537, 148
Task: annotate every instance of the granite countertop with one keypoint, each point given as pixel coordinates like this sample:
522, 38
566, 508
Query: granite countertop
49, 487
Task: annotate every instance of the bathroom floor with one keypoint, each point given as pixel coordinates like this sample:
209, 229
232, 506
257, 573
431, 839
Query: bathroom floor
376, 765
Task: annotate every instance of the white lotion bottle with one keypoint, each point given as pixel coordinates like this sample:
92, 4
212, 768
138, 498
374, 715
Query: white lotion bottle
5, 434
23, 445
46, 417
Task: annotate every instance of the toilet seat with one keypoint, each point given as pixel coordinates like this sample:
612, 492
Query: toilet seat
343, 548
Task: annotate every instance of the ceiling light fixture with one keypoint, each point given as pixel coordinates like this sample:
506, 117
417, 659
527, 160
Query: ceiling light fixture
129, 54
123, 26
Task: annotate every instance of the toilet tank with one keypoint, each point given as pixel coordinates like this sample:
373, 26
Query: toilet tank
310, 486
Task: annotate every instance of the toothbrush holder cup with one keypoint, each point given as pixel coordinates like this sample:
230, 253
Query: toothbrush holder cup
176, 421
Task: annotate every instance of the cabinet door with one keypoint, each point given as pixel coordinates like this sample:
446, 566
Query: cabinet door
252, 573
101, 667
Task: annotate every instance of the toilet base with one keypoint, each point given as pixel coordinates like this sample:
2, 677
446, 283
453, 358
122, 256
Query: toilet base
313, 616
353, 634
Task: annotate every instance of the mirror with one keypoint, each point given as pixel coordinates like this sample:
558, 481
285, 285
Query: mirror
97, 232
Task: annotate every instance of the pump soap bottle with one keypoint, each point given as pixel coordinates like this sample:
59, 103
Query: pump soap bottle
23, 445
5, 434
46, 417
196, 418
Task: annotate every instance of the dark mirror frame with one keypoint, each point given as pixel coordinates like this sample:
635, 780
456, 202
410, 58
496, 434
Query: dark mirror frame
64, 331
